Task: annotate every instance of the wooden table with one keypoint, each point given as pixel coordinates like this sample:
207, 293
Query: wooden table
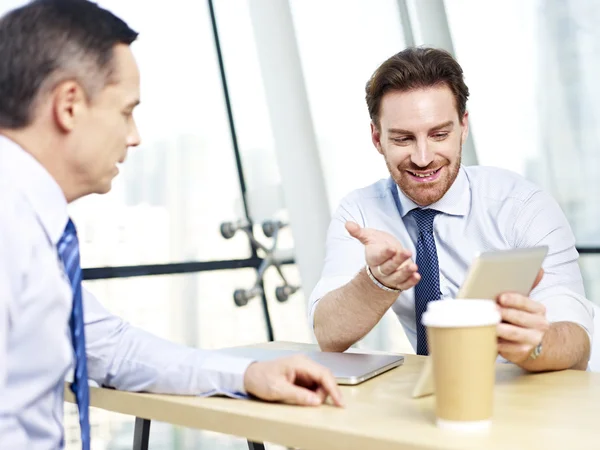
549, 411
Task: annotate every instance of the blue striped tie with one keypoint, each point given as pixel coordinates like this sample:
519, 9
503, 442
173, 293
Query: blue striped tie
68, 250
428, 288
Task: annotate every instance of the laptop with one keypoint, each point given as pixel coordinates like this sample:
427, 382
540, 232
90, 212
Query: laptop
347, 368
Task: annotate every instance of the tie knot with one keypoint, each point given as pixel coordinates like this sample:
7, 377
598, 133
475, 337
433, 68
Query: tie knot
424, 218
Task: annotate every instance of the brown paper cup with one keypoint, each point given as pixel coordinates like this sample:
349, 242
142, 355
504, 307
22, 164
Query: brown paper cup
462, 343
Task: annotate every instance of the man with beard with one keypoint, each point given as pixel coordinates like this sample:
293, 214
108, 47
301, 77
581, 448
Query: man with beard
443, 214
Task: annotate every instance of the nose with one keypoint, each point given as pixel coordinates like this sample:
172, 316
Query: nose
422, 156
133, 139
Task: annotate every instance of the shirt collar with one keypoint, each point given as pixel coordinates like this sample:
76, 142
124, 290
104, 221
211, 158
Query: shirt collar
455, 202
37, 185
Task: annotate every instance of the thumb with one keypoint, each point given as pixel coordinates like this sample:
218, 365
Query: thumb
296, 395
357, 232
538, 278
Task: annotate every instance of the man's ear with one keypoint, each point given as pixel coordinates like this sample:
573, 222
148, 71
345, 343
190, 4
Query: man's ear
465, 128
68, 102
376, 137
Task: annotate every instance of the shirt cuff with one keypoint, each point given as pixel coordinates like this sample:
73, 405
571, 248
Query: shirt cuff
225, 374
233, 372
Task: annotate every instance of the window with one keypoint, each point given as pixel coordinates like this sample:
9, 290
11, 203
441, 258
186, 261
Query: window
532, 73
341, 44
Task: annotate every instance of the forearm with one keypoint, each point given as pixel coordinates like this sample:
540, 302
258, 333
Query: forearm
128, 358
565, 345
135, 360
347, 314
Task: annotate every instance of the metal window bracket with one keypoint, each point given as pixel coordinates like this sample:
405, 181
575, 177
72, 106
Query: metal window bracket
272, 257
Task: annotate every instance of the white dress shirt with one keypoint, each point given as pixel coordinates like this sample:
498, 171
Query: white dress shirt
35, 305
485, 209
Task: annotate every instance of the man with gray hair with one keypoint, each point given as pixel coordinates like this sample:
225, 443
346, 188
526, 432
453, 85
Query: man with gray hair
68, 87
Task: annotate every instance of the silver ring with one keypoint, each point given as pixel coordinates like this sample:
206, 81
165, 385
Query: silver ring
381, 272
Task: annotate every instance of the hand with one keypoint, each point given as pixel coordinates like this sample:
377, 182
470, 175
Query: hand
390, 263
523, 325
295, 380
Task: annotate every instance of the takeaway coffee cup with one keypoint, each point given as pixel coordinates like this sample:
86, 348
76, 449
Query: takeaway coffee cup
462, 342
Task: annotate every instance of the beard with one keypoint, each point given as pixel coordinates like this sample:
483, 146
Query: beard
425, 194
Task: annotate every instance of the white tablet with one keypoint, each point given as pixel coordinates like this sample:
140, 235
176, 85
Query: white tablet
498, 271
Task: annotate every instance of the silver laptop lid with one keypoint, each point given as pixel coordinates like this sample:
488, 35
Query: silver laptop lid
348, 368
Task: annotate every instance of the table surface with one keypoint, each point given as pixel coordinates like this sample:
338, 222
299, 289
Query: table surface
549, 410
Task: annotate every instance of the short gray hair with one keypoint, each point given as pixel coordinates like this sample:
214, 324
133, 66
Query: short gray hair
47, 42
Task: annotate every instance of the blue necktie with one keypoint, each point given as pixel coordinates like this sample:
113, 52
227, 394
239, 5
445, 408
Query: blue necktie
428, 288
68, 250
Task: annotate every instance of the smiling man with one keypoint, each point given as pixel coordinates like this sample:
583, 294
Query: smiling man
409, 239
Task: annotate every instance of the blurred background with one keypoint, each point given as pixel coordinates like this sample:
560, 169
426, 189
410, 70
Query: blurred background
234, 132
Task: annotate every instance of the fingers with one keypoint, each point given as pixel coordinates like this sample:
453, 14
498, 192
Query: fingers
310, 373
403, 276
322, 393
396, 262
410, 281
378, 255
523, 326
390, 263
297, 395
520, 302
512, 351
523, 319
514, 334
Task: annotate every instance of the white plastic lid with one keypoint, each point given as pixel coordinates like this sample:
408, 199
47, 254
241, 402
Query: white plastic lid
461, 313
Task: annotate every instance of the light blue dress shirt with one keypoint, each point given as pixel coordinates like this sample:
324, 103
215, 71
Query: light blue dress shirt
35, 304
485, 209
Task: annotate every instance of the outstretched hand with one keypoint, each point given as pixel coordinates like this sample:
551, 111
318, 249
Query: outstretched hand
390, 263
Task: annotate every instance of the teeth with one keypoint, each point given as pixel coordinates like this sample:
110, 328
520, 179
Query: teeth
423, 175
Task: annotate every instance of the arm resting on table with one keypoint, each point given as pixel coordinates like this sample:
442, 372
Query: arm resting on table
130, 359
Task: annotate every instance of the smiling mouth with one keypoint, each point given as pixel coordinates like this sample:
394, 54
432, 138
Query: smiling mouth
424, 174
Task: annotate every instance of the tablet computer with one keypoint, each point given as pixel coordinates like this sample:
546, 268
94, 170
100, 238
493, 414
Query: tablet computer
498, 271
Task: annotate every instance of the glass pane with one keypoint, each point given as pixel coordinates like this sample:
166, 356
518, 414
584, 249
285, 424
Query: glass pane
535, 97
181, 183
341, 44
246, 89
288, 315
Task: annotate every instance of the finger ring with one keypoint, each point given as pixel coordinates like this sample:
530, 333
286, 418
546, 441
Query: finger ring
381, 272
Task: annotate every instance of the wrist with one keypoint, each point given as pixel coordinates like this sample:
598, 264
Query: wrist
249, 378
378, 283
379, 300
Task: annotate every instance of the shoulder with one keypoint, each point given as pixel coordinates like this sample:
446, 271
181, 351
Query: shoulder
500, 185
368, 201
18, 221
375, 192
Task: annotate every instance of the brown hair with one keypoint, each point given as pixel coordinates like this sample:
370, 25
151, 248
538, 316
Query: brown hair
415, 68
